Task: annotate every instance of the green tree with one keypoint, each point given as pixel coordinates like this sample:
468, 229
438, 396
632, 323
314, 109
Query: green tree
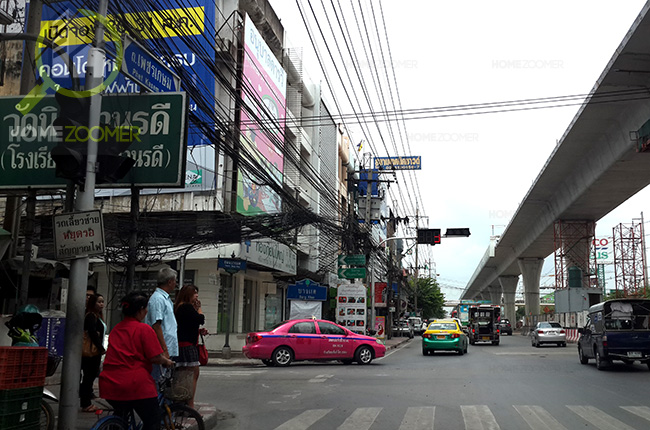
430, 299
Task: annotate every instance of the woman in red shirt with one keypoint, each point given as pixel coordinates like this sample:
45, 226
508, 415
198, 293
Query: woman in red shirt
126, 381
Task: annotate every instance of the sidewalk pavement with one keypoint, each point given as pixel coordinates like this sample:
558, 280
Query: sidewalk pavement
209, 412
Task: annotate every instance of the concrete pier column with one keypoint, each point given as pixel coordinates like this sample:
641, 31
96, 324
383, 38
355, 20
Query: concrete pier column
495, 294
509, 287
531, 270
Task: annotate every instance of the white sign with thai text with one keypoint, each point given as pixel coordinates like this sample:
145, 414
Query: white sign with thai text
78, 234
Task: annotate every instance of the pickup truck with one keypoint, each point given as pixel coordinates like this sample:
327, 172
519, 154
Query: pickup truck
483, 325
617, 329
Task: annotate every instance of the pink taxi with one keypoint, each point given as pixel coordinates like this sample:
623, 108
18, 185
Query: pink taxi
311, 339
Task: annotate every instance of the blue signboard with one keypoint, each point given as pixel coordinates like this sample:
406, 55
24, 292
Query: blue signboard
179, 29
145, 69
231, 265
306, 290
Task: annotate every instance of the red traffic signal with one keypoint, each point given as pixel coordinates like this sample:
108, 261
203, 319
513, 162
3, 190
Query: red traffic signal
428, 236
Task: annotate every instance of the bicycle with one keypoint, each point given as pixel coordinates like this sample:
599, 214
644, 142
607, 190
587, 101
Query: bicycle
175, 416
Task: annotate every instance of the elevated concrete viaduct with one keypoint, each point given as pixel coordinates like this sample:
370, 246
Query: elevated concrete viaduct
594, 168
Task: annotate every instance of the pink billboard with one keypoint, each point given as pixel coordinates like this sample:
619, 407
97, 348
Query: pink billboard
262, 123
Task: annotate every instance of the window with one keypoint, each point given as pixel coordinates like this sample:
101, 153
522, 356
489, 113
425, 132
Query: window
329, 328
443, 326
306, 327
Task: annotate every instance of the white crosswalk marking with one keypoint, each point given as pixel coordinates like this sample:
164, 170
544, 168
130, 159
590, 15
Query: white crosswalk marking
642, 411
475, 417
418, 418
304, 420
231, 373
479, 418
538, 418
599, 418
361, 419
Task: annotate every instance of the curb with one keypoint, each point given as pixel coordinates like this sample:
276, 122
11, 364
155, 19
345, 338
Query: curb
209, 414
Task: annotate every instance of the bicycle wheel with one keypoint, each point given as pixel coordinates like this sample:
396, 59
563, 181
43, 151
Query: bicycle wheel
47, 416
181, 417
110, 423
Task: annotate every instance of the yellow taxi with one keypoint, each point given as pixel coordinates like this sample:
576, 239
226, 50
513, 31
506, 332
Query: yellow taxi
444, 335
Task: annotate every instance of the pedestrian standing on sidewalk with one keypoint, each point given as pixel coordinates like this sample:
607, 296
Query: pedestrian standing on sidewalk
189, 318
126, 381
94, 329
161, 316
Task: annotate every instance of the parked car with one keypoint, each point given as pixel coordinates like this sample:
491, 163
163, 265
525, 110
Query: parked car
444, 335
311, 339
505, 327
404, 328
548, 332
617, 329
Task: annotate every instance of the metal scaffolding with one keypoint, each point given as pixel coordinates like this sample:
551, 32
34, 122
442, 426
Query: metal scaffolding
629, 259
575, 257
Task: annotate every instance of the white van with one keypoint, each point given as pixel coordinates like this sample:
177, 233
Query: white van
416, 323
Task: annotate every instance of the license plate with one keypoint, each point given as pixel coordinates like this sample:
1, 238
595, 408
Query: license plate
441, 337
551, 332
486, 338
634, 354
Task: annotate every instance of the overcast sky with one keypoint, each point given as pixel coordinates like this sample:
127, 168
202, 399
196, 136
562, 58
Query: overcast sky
477, 168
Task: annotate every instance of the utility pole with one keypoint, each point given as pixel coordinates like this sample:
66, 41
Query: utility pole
370, 280
69, 407
415, 285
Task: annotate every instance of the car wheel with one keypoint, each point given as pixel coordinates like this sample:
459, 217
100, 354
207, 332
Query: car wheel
600, 362
364, 355
425, 352
495, 342
648, 364
465, 348
581, 356
471, 341
563, 344
268, 362
538, 344
282, 357
460, 352
532, 341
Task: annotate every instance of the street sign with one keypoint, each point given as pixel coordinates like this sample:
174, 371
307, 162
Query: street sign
352, 273
352, 260
231, 265
410, 162
78, 234
146, 70
158, 150
306, 290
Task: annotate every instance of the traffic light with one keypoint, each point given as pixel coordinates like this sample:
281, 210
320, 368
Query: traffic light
111, 165
457, 232
428, 236
69, 154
